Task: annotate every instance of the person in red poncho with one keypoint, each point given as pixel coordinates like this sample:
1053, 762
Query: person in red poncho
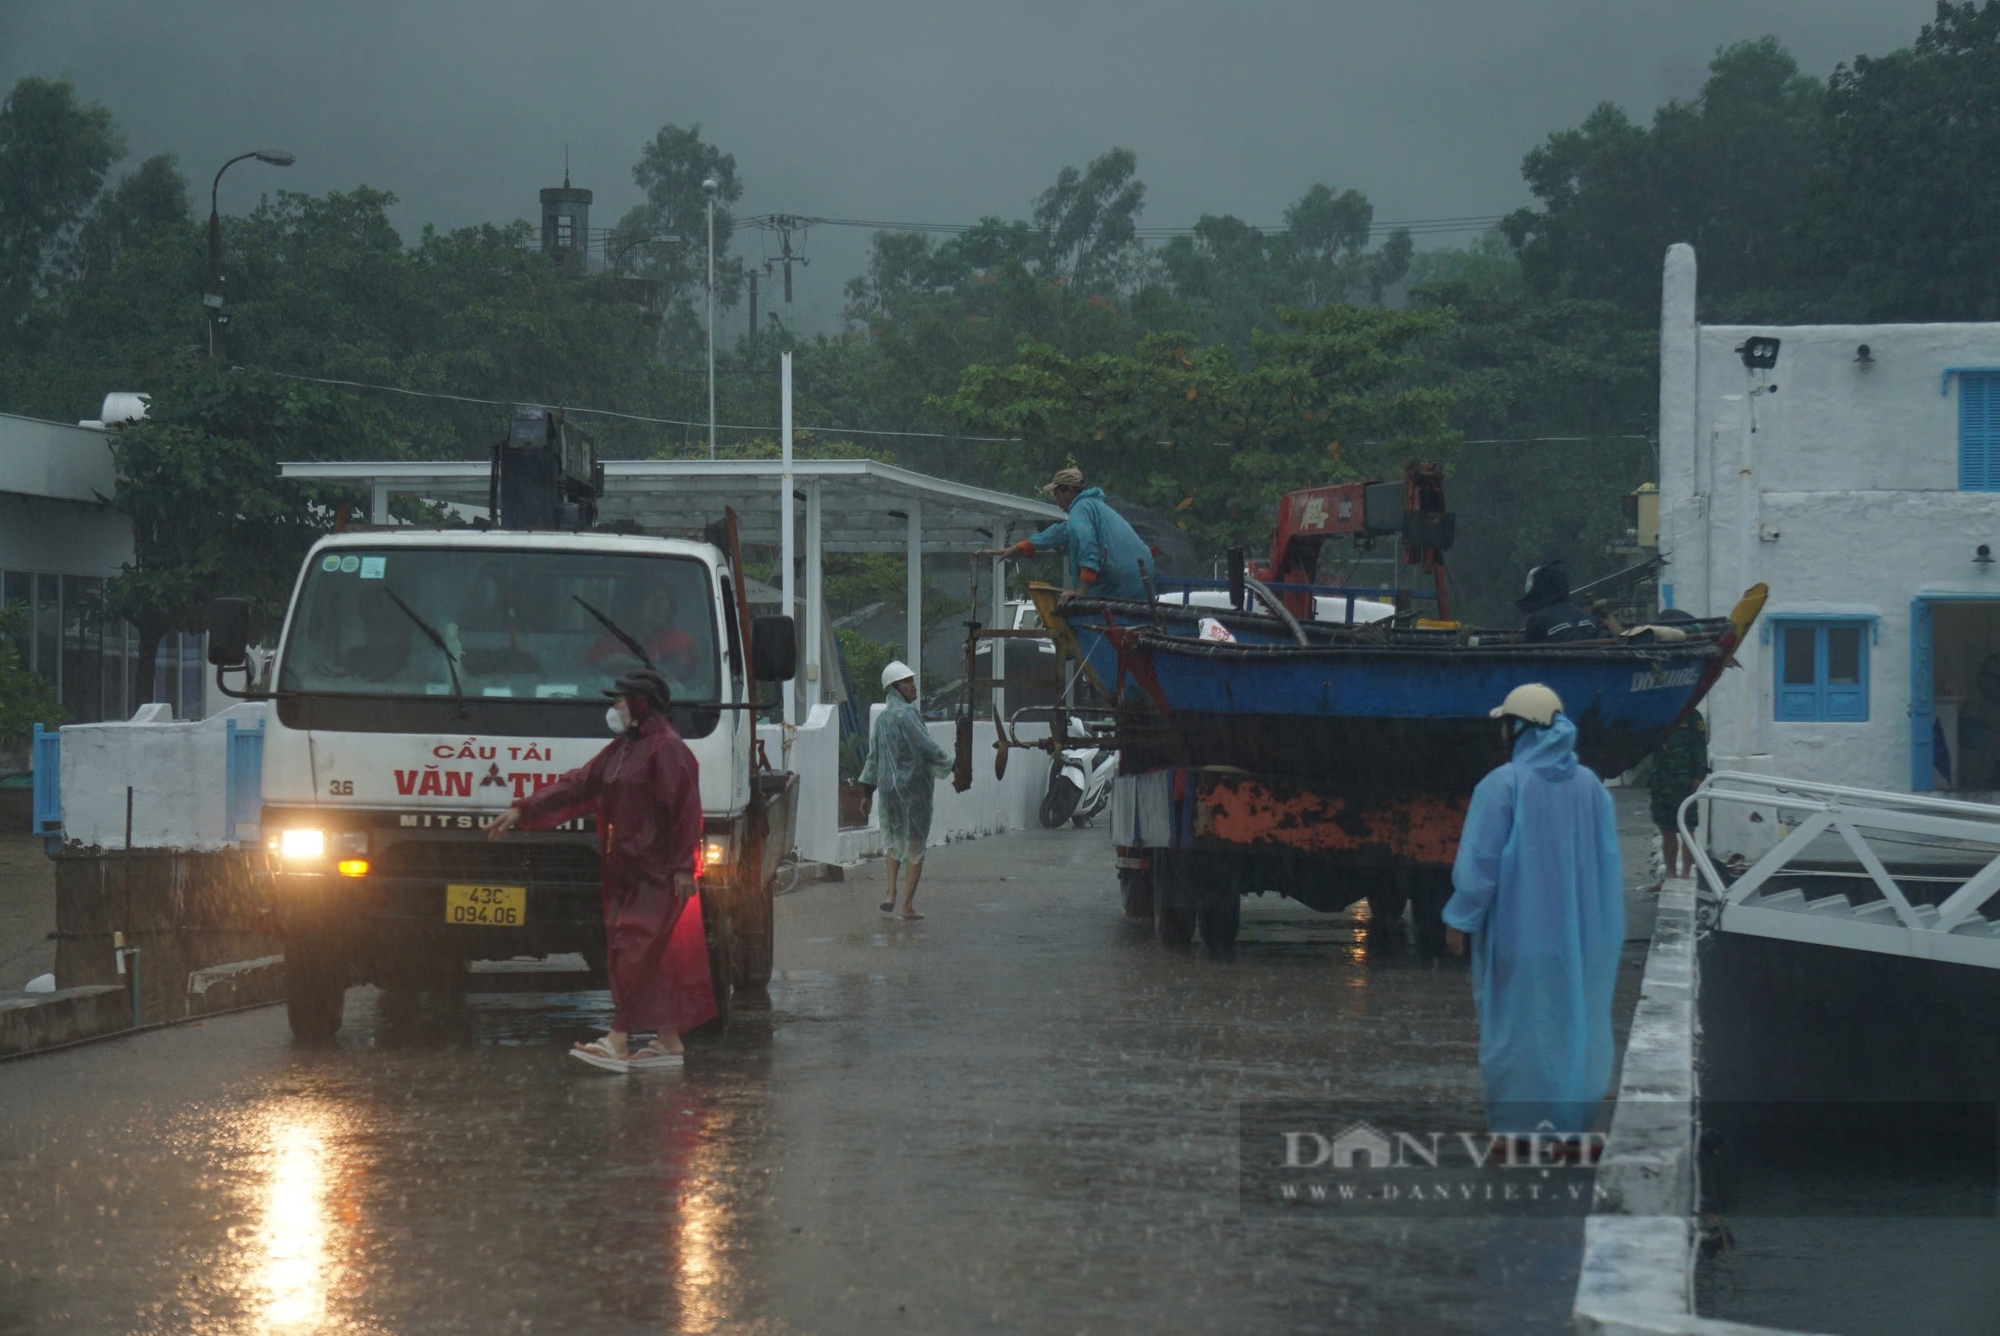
644, 789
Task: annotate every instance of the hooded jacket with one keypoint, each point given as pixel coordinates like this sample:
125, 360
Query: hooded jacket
645, 790
1539, 884
1094, 537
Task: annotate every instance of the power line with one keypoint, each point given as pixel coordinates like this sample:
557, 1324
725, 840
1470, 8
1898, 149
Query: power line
1417, 226
843, 431
1478, 222
637, 417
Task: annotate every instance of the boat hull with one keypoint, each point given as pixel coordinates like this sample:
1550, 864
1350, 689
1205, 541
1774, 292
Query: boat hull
1403, 719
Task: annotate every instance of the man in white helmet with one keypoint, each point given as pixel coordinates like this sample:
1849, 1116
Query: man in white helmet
1539, 888
903, 767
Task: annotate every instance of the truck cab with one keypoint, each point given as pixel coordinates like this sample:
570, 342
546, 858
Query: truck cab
423, 681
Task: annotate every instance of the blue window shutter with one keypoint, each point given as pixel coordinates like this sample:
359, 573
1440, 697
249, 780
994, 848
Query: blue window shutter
1820, 670
1796, 657
1843, 668
1979, 431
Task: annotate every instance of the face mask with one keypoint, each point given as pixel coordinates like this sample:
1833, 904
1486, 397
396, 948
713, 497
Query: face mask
614, 719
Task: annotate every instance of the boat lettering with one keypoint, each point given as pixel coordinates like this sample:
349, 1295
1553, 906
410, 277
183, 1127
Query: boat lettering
1654, 680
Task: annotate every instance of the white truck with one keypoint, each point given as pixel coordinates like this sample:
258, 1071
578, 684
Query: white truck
426, 678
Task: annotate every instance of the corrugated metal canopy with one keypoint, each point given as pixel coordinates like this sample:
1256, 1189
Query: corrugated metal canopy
865, 505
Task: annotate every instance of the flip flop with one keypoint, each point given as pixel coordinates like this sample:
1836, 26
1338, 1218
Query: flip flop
909, 918
655, 1058
597, 1055
887, 907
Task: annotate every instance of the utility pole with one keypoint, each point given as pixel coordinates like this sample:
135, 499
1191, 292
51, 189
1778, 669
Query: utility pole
753, 305
786, 224
709, 187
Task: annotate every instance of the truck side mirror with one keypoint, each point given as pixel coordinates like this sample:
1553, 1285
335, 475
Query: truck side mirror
229, 633
774, 648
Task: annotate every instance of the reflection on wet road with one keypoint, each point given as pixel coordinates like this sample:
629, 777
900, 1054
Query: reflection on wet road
1019, 1114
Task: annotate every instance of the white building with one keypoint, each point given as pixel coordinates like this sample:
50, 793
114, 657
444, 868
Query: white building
1859, 477
59, 542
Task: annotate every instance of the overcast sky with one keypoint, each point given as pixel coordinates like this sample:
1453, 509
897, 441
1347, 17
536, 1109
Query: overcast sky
934, 111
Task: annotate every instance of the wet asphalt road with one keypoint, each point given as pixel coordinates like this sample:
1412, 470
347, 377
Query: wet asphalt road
1018, 1115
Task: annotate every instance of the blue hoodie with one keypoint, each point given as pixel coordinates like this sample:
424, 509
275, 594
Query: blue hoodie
1095, 536
1540, 885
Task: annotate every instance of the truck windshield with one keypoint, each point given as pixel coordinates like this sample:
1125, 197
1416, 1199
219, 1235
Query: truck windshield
510, 618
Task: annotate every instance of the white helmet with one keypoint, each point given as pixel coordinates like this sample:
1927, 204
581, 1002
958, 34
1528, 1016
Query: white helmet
897, 671
1532, 702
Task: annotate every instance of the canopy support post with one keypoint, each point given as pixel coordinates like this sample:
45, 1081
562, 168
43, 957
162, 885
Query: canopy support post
913, 597
998, 666
815, 666
787, 557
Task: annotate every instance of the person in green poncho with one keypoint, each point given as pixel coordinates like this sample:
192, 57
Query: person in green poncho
1679, 766
904, 765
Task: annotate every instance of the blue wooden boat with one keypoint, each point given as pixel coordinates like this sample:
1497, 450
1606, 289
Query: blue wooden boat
1392, 703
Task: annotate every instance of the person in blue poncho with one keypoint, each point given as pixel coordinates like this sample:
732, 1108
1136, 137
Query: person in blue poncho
903, 767
1102, 554
1539, 888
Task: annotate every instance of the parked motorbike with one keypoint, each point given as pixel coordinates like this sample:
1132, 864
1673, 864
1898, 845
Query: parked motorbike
1079, 786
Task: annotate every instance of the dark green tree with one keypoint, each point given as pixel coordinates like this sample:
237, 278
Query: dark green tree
1905, 221
54, 153
1728, 172
25, 697
1088, 222
210, 514
1233, 277
666, 238
1181, 427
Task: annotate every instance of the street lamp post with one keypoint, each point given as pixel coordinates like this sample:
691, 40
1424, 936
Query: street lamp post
213, 299
709, 187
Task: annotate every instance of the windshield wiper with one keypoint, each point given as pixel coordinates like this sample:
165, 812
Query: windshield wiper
615, 629
450, 659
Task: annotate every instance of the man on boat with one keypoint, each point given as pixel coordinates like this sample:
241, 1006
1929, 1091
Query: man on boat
1553, 615
1539, 888
1102, 554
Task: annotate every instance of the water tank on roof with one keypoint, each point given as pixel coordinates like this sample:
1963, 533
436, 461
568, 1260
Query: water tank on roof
120, 407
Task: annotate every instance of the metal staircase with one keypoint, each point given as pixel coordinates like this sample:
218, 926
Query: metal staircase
1825, 881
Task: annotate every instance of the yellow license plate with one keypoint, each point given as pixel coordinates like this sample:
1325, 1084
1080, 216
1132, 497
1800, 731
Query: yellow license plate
486, 906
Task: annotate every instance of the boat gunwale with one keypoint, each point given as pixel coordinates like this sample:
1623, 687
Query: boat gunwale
1703, 634
1699, 649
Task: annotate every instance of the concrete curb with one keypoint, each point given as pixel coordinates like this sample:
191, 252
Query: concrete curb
44, 1020
1639, 1245
240, 983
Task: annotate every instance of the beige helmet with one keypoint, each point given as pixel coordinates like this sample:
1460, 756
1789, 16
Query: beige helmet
1531, 702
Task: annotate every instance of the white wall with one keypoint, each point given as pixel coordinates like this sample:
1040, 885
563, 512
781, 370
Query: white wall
815, 756
1844, 499
990, 807
54, 459
175, 772
55, 481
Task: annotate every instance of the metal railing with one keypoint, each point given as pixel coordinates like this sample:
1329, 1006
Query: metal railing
1944, 835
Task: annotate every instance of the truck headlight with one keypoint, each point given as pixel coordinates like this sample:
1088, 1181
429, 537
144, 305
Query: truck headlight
302, 845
